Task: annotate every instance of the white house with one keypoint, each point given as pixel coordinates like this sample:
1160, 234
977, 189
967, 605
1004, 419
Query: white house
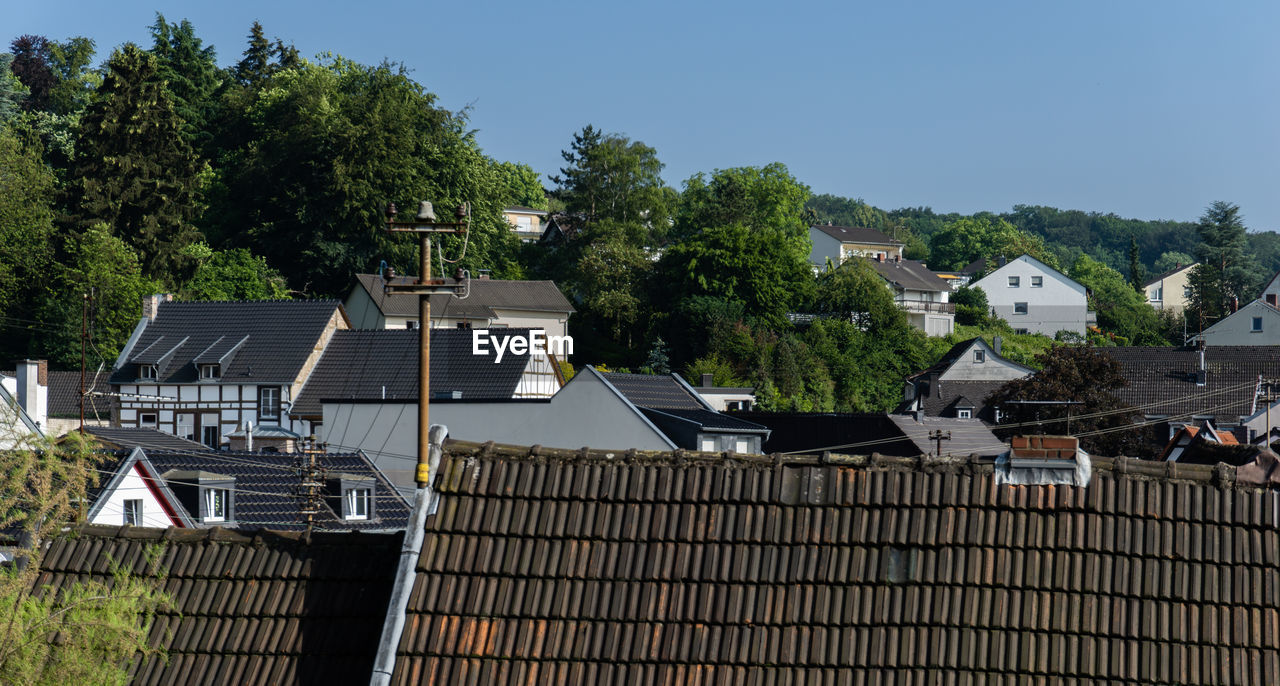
1036, 298
839, 243
922, 294
201, 370
1172, 289
645, 412
1257, 323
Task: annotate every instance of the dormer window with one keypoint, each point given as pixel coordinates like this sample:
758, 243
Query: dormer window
147, 371
210, 372
351, 496
979, 356
208, 497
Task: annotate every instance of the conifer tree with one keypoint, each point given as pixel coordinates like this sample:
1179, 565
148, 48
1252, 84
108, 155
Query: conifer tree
134, 171
254, 67
190, 73
1225, 275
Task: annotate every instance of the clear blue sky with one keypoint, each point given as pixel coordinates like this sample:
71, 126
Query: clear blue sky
1146, 109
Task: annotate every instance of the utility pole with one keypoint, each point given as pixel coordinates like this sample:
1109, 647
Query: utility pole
939, 436
311, 478
424, 225
84, 336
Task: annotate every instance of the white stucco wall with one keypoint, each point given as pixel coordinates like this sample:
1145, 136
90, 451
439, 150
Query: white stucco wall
132, 487
584, 413
1237, 329
1058, 304
966, 368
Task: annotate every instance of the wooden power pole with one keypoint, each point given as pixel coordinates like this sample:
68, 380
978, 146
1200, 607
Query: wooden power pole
424, 224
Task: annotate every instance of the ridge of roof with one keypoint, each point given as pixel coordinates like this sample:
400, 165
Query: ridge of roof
1222, 476
1169, 273
863, 234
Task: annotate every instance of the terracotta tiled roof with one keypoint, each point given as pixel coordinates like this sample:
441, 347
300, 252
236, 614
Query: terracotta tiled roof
560, 567
266, 608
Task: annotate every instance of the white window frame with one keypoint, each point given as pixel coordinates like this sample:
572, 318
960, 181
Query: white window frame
263, 404
1037, 282
979, 356
148, 371
153, 423
210, 372
358, 501
133, 512
215, 504
964, 414
1025, 308
1015, 282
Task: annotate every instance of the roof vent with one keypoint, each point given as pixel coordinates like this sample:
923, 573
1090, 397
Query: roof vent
1042, 460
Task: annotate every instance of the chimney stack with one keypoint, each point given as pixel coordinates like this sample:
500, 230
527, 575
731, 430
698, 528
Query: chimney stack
151, 304
997, 343
707, 381
33, 390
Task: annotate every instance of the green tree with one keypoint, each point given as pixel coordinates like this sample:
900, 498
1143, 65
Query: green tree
1225, 273
134, 171
609, 177
1171, 260
103, 266
328, 146
31, 57
189, 71
971, 238
1123, 313
1137, 276
255, 66
1083, 375
26, 240
522, 185
972, 308
85, 632
234, 274
12, 92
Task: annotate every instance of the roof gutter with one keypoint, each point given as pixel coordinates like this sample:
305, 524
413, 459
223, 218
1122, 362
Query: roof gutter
424, 502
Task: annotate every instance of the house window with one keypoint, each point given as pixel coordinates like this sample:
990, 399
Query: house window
1014, 281
1022, 332
147, 371
210, 436
731, 405
964, 414
1037, 281
999, 416
707, 445
464, 325
215, 504
147, 420
979, 356
269, 402
209, 371
357, 504
412, 324
1271, 299
133, 512
1019, 308
1257, 324
742, 445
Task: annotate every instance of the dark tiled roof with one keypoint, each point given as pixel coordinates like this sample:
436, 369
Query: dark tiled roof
266, 484
706, 420
358, 365
910, 275
523, 210
939, 405
126, 438
486, 296
270, 608
1167, 274
964, 436
857, 234
281, 335
591, 567
1162, 380
658, 391
64, 394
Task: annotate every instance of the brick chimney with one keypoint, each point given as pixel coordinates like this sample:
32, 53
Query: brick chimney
151, 304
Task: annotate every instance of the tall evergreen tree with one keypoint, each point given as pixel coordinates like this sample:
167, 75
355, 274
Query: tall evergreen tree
1225, 275
254, 67
1136, 274
134, 171
190, 73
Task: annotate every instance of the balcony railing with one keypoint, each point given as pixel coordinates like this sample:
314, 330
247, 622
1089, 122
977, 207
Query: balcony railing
927, 306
